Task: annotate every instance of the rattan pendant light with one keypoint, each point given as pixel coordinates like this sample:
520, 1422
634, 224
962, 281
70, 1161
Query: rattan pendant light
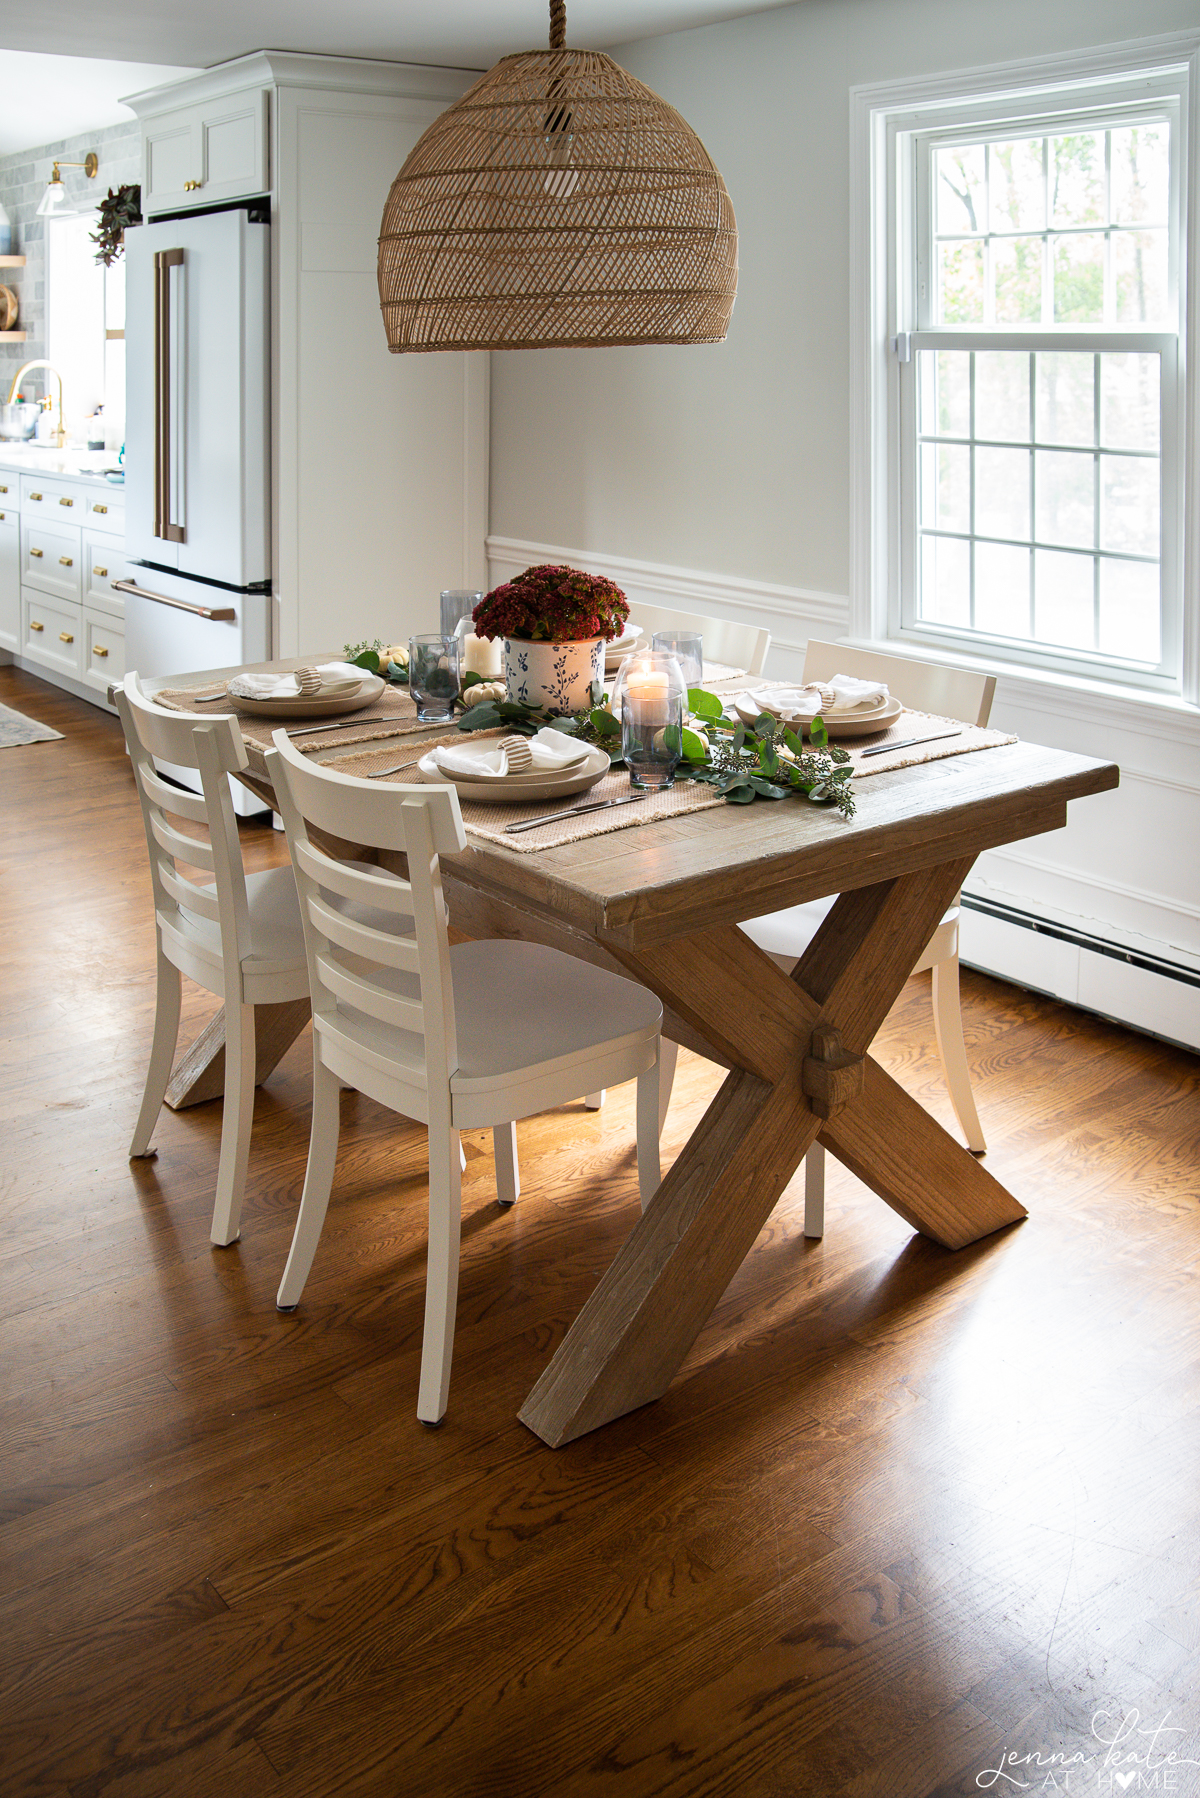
558, 203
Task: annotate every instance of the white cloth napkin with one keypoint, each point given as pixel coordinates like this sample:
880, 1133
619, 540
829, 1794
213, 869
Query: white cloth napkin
849, 695
286, 686
550, 749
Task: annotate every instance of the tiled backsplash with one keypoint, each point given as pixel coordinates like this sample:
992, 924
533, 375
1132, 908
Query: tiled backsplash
23, 178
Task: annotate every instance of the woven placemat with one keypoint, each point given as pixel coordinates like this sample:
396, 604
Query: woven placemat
393, 714
488, 821
919, 724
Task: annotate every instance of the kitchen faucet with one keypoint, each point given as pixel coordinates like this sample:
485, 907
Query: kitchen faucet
60, 434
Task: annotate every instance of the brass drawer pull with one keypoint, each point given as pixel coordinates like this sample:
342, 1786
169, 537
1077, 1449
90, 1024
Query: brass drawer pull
35, 626
99, 572
66, 502
99, 508
1, 517
65, 562
36, 552
3, 489
35, 496
65, 637
191, 187
98, 649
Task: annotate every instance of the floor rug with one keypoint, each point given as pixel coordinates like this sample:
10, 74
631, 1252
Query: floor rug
16, 728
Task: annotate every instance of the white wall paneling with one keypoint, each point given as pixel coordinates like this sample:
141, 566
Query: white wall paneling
381, 465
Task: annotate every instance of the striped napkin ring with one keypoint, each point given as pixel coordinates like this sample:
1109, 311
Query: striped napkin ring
518, 757
308, 681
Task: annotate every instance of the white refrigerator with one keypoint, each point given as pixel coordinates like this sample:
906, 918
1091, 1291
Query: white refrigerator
197, 444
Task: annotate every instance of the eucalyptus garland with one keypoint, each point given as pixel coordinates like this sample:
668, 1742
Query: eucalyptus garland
765, 760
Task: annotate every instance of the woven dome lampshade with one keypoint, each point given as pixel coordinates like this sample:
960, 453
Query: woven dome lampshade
559, 203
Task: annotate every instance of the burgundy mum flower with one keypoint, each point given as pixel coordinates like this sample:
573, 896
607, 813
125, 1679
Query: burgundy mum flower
549, 604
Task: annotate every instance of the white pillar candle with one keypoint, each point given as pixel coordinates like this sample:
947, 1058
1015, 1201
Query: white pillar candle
647, 691
483, 656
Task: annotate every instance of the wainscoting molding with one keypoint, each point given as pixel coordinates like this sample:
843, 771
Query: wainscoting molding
791, 614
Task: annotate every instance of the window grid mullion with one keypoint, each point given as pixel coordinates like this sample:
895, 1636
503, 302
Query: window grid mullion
971, 553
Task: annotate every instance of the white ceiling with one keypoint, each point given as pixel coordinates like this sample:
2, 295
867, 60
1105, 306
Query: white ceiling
51, 97
460, 33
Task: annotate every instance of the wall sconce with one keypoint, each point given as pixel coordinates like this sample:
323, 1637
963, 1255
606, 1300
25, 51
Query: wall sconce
55, 195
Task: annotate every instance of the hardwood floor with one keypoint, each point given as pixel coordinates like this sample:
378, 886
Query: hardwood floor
902, 1514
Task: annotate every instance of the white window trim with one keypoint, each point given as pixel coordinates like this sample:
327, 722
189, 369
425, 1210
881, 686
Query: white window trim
876, 548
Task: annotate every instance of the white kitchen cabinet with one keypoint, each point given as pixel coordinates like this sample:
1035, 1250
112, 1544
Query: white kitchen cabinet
106, 514
53, 632
103, 650
207, 154
51, 559
103, 565
10, 576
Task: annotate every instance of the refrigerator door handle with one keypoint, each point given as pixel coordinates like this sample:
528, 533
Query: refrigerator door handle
164, 262
180, 605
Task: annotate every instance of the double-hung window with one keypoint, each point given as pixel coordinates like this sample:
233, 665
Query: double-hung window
1037, 305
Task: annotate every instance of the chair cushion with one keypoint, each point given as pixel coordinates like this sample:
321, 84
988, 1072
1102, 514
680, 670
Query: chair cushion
521, 1005
276, 934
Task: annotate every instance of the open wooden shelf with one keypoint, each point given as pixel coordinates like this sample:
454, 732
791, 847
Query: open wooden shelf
12, 262
12, 336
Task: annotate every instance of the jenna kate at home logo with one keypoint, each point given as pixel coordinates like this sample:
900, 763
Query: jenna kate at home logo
1132, 1755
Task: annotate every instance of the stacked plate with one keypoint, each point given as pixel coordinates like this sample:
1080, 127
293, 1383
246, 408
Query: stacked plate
794, 706
577, 776
620, 647
334, 696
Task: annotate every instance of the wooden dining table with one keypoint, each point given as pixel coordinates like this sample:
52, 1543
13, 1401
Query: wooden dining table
661, 903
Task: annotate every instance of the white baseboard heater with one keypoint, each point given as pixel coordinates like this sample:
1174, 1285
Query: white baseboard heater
1145, 992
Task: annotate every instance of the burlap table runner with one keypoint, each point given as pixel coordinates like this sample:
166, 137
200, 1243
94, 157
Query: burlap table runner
489, 821
393, 714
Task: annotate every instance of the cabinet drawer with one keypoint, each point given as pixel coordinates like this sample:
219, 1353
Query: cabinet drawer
51, 499
103, 649
53, 632
52, 560
204, 154
100, 512
10, 581
103, 563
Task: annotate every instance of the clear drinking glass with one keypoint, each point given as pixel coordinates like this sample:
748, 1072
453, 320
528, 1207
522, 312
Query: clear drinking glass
456, 603
688, 646
651, 696
433, 676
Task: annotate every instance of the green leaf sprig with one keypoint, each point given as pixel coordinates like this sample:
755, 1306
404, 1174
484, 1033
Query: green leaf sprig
765, 760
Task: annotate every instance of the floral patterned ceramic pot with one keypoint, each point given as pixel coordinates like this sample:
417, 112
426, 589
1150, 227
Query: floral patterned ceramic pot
558, 677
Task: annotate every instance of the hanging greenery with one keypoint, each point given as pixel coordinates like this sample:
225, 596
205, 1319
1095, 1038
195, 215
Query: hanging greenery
124, 207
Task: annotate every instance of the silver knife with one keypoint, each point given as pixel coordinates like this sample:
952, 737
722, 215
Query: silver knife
573, 811
909, 743
310, 730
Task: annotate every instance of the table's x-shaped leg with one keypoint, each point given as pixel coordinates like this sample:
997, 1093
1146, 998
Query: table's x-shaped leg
800, 1068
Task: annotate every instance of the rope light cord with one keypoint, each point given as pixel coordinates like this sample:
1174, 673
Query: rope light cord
559, 203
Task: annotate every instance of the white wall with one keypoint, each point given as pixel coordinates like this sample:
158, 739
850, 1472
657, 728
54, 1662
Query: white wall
727, 468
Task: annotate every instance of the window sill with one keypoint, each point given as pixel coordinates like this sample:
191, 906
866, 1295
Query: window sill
1068, 695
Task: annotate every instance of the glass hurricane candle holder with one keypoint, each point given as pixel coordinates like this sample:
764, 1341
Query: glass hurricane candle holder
651, 697
433, 676
456, 603
688, 646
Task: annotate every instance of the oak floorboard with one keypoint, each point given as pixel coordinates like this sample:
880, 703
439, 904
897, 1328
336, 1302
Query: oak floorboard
898, 1509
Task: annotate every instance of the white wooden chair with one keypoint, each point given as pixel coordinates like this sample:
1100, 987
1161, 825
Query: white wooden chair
458, 1038
239, 937
785, 935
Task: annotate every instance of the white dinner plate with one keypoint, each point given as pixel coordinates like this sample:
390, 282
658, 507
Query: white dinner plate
515, 789
853, 724
351, 698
